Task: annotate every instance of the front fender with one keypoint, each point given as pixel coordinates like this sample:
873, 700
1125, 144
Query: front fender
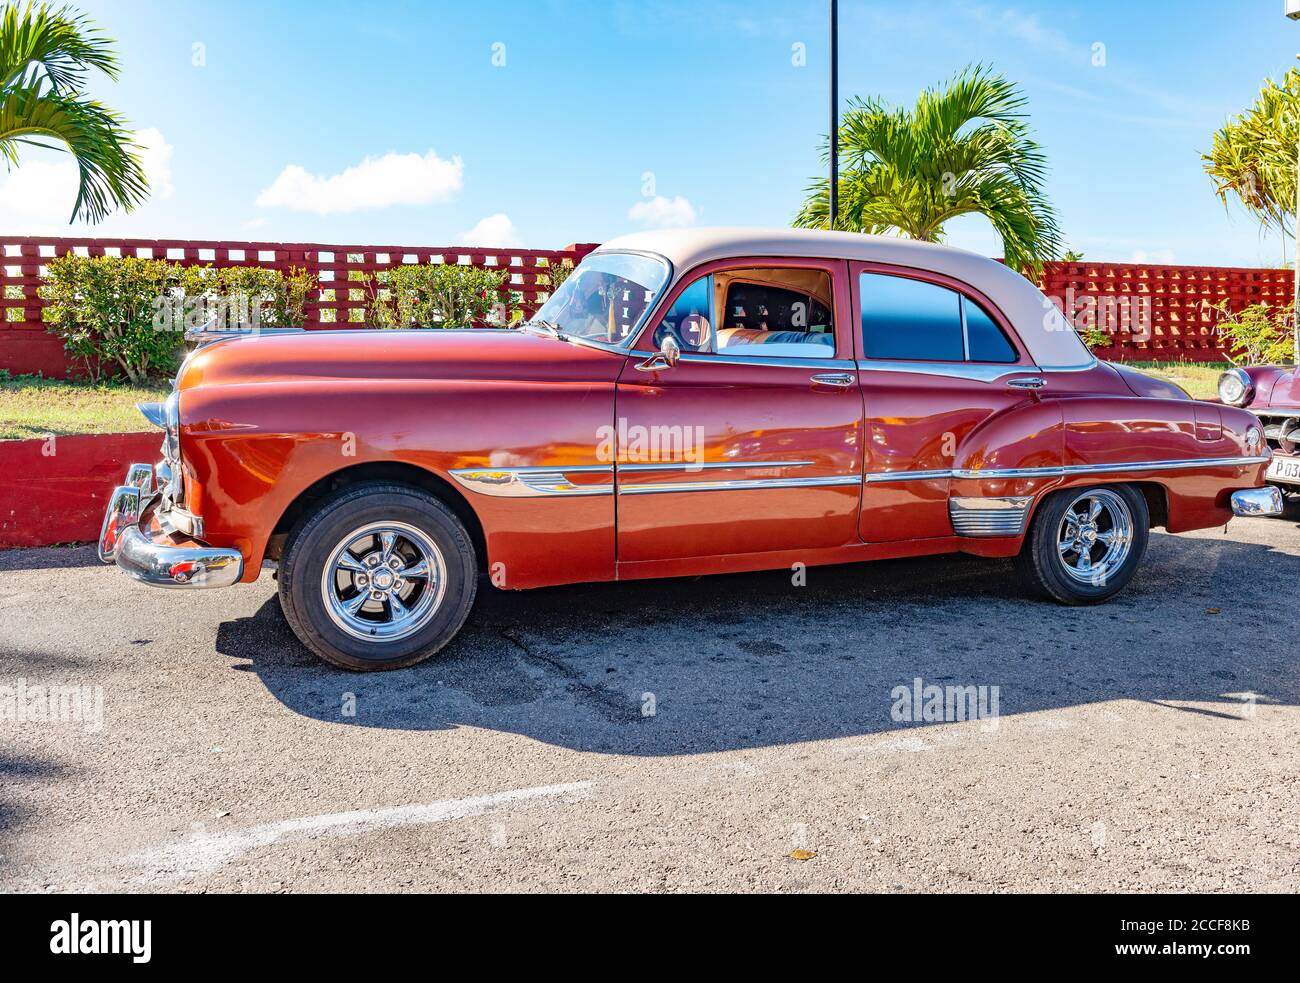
251, 450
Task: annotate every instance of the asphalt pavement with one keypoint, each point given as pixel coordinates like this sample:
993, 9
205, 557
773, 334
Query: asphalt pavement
725, 733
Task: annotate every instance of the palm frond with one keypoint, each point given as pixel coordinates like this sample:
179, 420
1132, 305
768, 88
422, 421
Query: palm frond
965, 147
46, 54
55, 43
110, 171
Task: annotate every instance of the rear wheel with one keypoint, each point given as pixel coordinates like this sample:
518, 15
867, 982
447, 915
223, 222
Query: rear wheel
381, 576
1084, 545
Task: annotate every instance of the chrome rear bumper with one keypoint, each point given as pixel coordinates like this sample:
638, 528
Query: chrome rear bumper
160, 564
1258, 501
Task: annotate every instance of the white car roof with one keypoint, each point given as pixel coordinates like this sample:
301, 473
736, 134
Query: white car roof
1051, 341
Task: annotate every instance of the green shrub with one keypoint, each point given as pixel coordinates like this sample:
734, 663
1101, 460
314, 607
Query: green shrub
1095, 338
436, 295
131, 313
1257, 335
103, 307
242, 296
557, 271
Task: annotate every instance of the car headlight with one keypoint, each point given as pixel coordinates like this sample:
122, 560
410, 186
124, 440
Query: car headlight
1236, 387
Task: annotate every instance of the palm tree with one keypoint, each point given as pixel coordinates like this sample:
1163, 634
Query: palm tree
45, 55
1254, 156
964, 148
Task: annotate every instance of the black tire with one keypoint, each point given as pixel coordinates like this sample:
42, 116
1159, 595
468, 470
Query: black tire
320, 534
1042, 566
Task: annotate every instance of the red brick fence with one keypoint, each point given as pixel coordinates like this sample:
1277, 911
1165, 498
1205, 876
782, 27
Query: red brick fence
26, 346
1180, 320
1179, 301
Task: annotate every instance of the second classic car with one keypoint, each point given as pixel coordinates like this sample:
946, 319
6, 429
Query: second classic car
1272, 393
688, 402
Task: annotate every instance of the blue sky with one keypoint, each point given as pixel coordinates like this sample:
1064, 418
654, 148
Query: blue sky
544, 122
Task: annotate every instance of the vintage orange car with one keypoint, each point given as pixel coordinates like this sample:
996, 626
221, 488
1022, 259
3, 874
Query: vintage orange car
688, 402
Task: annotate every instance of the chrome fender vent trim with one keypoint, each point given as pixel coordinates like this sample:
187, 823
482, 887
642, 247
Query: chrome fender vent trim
981, 518
533, 482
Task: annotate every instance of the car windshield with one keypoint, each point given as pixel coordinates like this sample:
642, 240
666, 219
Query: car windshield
604, 298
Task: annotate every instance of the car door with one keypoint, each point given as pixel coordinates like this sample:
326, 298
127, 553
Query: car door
752, 442
936, 360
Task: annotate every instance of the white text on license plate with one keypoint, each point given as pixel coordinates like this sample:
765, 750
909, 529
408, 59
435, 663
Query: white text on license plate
1284, 469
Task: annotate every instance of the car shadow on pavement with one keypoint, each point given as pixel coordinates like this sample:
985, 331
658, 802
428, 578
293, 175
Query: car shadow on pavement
719, 663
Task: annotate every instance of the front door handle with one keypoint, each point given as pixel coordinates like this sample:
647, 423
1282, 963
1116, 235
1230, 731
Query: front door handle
840, 380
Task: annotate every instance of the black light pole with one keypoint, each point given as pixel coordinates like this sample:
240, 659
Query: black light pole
835, 114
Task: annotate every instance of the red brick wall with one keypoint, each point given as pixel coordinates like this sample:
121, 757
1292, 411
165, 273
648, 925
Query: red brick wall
1181, 302
26, 346
1180, 299
56, 491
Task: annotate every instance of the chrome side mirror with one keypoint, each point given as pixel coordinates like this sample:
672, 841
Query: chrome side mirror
670, 353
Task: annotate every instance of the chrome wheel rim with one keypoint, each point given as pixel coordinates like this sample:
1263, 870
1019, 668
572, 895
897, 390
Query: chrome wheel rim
1095, 537
383, 581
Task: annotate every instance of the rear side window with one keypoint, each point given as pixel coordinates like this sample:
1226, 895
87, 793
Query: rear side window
986, 340
913, 320
910, 319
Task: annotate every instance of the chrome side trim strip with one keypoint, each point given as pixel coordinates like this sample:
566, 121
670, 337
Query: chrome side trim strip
545, 481
986, 517
1064, 471
882, 477
779, 361
712, 466
976, 371
1081, 367
1073, 469
532, 482
739, 484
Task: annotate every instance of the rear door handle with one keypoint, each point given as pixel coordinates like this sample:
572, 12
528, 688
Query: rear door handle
1031, 382
840, 380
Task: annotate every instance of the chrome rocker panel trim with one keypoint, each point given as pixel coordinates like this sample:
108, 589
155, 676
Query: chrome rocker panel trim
1251, 502
989, 517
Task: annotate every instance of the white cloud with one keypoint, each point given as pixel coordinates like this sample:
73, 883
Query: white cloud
377, 182
156, 159
663, 213
37, 196
495, 230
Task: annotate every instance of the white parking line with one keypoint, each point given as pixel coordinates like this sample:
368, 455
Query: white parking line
205, 852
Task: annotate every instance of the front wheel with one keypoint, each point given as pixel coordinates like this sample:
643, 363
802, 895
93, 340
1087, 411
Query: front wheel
381, 576
1084, 545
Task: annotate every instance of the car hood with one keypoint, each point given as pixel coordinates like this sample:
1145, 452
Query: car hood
435, 353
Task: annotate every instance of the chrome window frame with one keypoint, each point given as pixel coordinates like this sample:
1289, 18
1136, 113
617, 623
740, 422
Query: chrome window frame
791, 361
625, 346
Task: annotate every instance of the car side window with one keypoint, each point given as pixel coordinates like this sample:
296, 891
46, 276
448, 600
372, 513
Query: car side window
917, 321
910, 320
984, 339
774, 313
690, 319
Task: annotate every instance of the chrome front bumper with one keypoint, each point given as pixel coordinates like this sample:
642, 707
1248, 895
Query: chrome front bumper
158, 562
1258, 501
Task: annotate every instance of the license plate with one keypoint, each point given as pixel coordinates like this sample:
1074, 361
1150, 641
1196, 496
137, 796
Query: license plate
1284, 469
